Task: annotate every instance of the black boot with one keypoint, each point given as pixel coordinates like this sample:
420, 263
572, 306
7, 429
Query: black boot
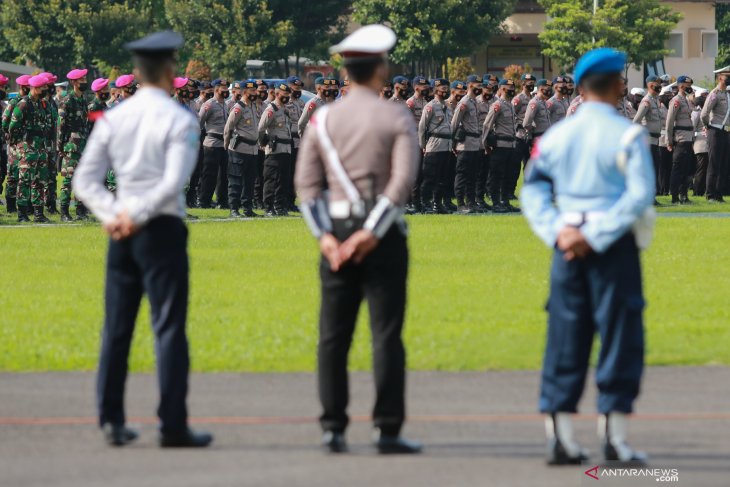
12, 208
235, 214
23, 214
52, 209
38, 216
81, 213
65, 215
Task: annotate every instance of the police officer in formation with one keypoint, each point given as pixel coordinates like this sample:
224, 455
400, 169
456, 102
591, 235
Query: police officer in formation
716, 117
416, 103
649, 114
558, 105
466, 132
213, 116
434, 135
296, 109
680, 135
240, 137
274, 133
537, 116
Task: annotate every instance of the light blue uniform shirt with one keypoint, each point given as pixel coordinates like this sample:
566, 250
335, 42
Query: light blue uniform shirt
576, 163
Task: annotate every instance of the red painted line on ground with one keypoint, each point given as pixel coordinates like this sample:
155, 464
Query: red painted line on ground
274, 420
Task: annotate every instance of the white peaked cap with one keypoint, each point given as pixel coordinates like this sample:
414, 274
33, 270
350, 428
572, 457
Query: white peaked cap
638, 91
366, 41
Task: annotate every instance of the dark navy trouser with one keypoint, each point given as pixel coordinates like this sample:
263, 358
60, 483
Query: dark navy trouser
155, 262
599, 293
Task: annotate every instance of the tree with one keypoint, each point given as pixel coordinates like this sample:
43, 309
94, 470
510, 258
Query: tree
637, 27
226, 33
198, 69
722, 23
458, 68
315, 25
430, 32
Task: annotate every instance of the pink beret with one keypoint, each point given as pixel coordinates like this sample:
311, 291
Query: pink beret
38, 81
77, 73
50, 78
99, 84
22, 80
3, 80
179, 82
124, 80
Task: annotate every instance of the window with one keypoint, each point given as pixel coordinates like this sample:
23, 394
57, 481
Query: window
655, 68
675, 43
709, 43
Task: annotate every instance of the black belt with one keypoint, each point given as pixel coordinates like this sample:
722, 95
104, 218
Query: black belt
472, 134
537, 134
684, 127
239, 139
440, 136
294, 136
283, 141
505, 138
654, 134
215, 136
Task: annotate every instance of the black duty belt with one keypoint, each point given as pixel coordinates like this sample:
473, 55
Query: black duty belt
684, 127
472, 134
294, 136
441, 136
240, 139
283, 141
215, 136
505, 138
654, 134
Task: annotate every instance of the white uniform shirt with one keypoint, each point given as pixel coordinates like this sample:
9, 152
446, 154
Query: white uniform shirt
151, 143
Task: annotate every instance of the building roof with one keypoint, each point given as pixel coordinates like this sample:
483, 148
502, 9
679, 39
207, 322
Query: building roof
17, 68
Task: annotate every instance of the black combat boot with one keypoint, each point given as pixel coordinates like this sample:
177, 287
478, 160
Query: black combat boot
65, 215
235, 213
12, 208
51, 207
38, 216
81, 213
23, 214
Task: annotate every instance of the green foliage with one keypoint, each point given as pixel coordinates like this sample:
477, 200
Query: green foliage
430, 30
722, 24
458, 68
638, 27
198, 69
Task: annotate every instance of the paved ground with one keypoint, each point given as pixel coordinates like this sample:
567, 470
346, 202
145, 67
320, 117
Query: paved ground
480, 429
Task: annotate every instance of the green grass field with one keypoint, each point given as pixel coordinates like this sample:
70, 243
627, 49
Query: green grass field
476, 294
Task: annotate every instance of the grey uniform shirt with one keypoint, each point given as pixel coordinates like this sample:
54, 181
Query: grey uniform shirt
415, 105
309, 109
626, 109
378, 149
435, 119
574, 105
679, 121
213, 116
537, 117
244, 122
466, 116
520, 102
501, 118
700, 143
714, 112
558, 108
295, 107
275, 123
483, 105
650, 116
663, 114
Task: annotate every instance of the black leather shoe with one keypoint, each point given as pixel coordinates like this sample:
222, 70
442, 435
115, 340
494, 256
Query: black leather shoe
12, 206
556, 455
249, 214
282, 213
450, 206
675, 199
394, 445
23, 214
271, 213
118, 434
334, 442
186, 439
499, 208
510, 208
630, 457
235, 213
464, 210
38, 216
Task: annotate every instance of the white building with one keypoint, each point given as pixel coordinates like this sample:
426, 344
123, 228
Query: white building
693, 41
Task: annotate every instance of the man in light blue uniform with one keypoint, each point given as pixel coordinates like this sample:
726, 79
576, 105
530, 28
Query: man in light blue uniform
588, 193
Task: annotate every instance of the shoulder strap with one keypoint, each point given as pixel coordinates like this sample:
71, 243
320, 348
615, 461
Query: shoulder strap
629, 137
333, 157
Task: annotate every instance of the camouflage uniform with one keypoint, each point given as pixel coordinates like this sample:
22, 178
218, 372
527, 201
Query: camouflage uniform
97, 106
52, 150
72, 136
11, 188
29, 126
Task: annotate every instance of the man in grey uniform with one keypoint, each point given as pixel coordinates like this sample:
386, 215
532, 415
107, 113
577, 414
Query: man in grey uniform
295, 109
241, 136
558, 105
275, 135
680, 135
537, 117
467, 133
368, 163
649, 115
213, 116
502, 143
415, 104
312, 105
520, 103
716, 116
434, 135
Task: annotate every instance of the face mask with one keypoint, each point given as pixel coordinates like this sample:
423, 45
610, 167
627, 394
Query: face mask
44, 93
208, 96
3, 94
571, 91
425, 93
104, 96
402, 93
476, 91
335, 93
296, 95
237, 97
225, 94
131, 90
284, 100
510, 94
84, 86
387, 94
487, 96
689, 90
195, 94
546, 93
563, 90
530, 87
458, 97
251, 97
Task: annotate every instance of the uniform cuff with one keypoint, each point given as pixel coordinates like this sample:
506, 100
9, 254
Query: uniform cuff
317, 217
381, 217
